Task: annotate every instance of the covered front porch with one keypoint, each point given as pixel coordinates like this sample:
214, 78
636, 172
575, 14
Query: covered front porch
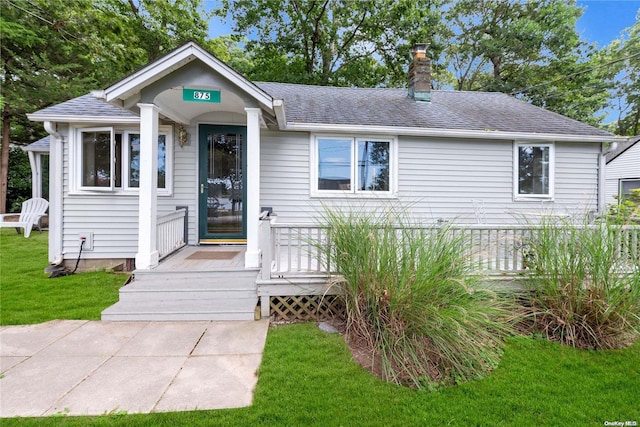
211, 106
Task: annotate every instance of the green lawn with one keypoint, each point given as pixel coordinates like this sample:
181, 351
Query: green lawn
29, 296
308, 378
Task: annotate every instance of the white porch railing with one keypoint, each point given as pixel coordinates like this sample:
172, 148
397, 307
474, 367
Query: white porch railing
170, 232
292, 250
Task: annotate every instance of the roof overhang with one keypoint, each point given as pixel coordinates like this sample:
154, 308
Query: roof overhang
35, 117
36, 149
448, 133
134, 83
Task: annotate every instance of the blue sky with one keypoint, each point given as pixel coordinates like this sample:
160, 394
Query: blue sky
604, 20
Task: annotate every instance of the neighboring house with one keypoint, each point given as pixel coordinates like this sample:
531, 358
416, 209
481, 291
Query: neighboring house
189, 131
623, 170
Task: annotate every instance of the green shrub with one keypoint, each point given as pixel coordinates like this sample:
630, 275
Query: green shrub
585, 283
412, 300
627, 211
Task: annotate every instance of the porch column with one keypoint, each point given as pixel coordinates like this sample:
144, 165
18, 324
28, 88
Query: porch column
56, 151
252, 256
147, 256
35, 161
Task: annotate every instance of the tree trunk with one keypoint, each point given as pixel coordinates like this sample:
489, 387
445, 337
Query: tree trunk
4, 159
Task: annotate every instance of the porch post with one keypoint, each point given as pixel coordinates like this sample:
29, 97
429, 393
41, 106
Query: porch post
56, 151
147, 256
35, 161
252, 256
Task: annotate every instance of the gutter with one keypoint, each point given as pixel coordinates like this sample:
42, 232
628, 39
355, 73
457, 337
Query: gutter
449, 133
83, 119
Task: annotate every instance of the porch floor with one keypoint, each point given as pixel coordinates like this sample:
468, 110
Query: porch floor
203, 258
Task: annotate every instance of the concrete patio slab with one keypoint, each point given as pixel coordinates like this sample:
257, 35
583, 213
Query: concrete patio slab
165, 339
123, 384
95, 339
95, 368
8, 362
241, 337
215, 382
35, 385
26, 340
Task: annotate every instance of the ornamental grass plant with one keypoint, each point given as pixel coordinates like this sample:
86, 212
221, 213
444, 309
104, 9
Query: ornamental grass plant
584, 283
411, 299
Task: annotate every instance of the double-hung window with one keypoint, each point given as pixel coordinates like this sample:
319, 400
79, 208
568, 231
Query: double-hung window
110, 160
533, 171
351, 165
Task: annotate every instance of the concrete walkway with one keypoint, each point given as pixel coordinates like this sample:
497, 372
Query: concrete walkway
93, 368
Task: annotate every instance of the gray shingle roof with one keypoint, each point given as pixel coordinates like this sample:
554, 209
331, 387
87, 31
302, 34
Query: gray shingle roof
456, 110
85, 105
451, 110
40, 145
622, 147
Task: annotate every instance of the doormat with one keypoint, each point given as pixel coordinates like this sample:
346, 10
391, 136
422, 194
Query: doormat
213, 255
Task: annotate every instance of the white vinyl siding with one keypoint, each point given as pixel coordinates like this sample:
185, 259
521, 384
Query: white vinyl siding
626, 165
437, 179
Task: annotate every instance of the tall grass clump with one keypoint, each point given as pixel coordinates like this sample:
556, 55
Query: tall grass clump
412, 300
584, 282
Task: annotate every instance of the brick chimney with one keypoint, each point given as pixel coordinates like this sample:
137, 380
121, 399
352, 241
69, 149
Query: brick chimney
420, 73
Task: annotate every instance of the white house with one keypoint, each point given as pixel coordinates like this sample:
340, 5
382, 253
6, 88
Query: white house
623, 170
188, 132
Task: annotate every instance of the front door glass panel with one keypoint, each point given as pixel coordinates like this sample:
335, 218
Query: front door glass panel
222, 182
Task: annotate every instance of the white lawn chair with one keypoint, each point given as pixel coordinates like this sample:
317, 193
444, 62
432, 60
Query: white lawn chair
32, 211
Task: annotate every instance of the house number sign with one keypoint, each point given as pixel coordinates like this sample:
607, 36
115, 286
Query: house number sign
200, 95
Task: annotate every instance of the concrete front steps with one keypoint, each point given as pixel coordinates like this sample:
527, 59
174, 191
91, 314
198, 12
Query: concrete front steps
187, 295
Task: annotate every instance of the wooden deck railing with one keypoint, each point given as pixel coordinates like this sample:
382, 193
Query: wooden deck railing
292, 249
170, 232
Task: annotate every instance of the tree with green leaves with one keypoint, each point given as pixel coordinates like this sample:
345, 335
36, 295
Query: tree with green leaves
332, 42
625, 98
530, 49
52, 50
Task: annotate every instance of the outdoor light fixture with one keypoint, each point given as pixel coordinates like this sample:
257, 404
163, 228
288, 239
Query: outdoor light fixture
183, 136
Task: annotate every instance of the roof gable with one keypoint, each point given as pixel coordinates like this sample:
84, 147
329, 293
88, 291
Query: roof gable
174, 60
622, 147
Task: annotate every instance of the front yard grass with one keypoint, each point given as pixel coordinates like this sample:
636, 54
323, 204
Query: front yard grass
27, 295
308, 378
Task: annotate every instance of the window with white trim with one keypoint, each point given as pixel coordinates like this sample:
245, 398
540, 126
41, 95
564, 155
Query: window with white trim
110, 160
625, 187
352, 165
533, 171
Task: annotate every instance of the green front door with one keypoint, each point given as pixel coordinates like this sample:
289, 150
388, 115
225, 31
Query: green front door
222, 186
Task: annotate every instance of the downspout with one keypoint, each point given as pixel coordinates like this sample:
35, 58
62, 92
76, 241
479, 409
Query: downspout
55, 193
602, 165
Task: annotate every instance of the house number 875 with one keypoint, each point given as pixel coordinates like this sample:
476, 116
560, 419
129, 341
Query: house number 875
201, 95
